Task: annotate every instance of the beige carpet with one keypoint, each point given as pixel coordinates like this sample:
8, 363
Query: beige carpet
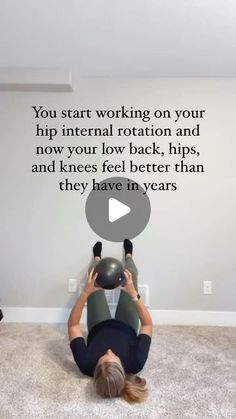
191, 373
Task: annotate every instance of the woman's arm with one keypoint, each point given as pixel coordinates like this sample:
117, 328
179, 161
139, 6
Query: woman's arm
143, 313
74, 330
144, 316
76, 311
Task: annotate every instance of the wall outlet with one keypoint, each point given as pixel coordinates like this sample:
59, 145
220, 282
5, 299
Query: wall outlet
72, 285
207, 287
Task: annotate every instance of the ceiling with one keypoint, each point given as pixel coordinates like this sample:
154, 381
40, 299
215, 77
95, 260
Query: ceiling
121, 38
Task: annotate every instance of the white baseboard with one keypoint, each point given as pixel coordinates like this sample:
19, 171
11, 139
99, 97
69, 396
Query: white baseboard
159, 317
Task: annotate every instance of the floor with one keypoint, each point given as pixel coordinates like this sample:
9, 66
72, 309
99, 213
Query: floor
190, 372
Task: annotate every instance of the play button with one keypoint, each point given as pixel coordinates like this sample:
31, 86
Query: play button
117, 208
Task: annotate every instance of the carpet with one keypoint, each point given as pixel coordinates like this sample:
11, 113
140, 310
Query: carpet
190, 373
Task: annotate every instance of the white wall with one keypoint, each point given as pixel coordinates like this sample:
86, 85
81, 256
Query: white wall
135, 38
45, 238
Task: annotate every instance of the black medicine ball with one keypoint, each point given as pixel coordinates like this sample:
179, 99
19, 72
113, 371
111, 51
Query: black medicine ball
110, 273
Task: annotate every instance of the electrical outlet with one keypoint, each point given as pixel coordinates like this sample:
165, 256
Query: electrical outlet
207, 287
72, 285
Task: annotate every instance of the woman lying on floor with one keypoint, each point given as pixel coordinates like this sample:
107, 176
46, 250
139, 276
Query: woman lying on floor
117, 348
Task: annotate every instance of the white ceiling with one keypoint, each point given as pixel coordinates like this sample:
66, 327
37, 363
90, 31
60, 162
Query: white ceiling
121, 38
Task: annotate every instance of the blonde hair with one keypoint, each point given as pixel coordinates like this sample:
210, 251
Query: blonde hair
110, 380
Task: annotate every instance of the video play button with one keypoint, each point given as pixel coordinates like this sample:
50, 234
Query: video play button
117, 208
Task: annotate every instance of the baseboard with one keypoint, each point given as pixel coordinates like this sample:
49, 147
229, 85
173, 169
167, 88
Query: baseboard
159, 317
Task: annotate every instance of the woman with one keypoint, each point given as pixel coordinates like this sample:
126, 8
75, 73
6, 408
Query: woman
115, 351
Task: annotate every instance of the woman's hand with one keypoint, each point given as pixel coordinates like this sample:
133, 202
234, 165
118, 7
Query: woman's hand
129, 285
89, 287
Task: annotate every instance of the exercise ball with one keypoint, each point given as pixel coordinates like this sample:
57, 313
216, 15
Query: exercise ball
110, 273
